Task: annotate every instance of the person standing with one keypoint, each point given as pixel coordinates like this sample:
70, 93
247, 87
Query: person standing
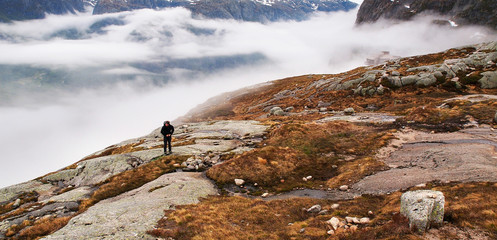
167, 130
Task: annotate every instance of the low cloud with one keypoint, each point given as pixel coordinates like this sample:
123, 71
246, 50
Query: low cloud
59, 129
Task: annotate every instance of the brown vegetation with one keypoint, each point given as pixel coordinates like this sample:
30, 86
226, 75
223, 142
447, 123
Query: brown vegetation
296, 150
43, 227
467, 206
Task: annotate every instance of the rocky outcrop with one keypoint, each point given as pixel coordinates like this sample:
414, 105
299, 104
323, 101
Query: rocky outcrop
423, 208
245, 10
453, 12
130, 215
31, 9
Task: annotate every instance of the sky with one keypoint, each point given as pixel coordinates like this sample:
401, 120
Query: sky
62, 126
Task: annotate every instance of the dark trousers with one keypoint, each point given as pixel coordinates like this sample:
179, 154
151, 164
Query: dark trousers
167, 144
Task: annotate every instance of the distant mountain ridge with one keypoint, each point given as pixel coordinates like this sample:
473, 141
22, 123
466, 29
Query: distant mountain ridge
246, 10
35, 9
460, 12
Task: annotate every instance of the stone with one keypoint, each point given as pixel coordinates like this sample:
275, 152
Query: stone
380, 90
289, 109
17, 203
489, 80
323, 109
370, 213
274, 109
364, 220
239, 182
335, 206
314, 209
344, 188
423, 208
353, 228
71, 196
395, 73
334, 222
279, 113
495, 117
349, 111
330, 232
264, 195
323, 212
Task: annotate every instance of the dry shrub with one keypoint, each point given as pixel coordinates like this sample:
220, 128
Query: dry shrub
265, 166
43, 227
237, 218
472, 205
132, 179
353, 171
112, 150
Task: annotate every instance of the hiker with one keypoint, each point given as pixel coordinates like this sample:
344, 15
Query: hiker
167, 130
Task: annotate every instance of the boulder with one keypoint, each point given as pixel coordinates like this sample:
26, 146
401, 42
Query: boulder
349, 111
333, 222
314, 209
489, 80
423, 208
274, 109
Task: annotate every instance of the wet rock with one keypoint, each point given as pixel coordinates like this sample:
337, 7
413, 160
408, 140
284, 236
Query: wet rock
239, 182
423, 208
314, 209
349, 111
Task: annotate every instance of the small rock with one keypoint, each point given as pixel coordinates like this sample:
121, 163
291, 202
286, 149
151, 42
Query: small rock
370, 213
364, 220
335, 206
334, 222
17, 203
334, 166
302, 230
279, 113
323, 109
239, 182
264, 195
304, 179
349, 111
256, 184
330, 232
289, 109
323, 212
314, 209
274, 109
352, 220
344, 188
421, 185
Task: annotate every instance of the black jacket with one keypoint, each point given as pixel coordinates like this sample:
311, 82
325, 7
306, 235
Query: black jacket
167, 130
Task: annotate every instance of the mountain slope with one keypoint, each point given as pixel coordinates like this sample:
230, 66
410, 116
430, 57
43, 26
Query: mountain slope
356, 139
246, 10
29, 9
462, 12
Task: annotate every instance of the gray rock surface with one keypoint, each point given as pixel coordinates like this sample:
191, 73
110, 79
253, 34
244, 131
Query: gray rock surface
8, 193
130, 215
423, 208
466, 156
71, 196
489, 80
